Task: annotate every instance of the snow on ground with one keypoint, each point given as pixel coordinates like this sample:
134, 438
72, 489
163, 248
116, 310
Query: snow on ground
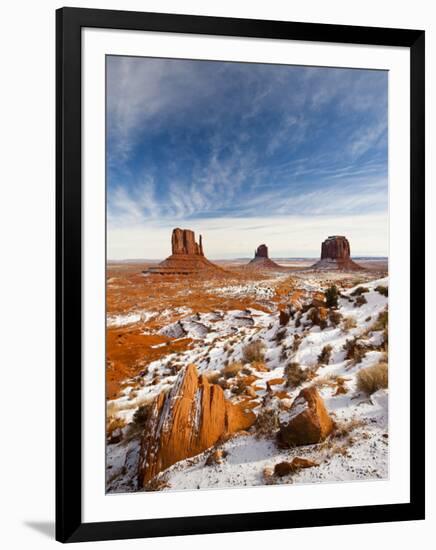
219, 338
262, 289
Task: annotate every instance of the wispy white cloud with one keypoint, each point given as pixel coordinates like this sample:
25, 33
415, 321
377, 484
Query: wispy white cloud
206, 144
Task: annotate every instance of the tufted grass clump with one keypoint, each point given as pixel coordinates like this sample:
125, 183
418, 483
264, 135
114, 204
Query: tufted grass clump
255, 351
371, 379
295, 375
324, 356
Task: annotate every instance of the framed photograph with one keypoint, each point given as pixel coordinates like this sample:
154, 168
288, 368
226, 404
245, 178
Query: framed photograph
240, 274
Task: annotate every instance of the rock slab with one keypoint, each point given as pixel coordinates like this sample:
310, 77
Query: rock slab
192, 417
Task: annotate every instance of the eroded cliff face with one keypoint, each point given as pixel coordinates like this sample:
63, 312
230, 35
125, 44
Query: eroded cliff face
335, 255
261, 251
335, 247
183, 242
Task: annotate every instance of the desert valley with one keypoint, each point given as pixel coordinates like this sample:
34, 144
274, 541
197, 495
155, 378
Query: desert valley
246, 372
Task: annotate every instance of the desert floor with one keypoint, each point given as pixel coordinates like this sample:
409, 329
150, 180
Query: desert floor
157, 325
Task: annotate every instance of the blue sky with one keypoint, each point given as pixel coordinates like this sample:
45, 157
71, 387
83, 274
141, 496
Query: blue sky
245, 154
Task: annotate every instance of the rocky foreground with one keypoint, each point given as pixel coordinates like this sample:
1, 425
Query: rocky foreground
289, 387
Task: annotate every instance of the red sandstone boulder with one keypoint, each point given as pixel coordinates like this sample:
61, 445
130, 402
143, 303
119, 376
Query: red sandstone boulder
307, 421
192, 417
285, 468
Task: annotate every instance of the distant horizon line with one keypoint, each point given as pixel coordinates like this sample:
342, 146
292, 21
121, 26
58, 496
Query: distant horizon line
247, 258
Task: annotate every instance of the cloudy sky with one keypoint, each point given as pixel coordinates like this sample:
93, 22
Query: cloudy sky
244, 154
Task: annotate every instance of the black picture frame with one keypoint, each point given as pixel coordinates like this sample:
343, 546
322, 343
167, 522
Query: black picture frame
69, 22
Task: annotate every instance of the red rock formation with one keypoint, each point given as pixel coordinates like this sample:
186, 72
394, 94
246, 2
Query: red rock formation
261, 252
261, 259
308, 421
187, 256
335, 255
186, 422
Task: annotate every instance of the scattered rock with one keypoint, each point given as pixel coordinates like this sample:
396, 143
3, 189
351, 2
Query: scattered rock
307, 421
268, 476
285, 468
299, 463
276, 381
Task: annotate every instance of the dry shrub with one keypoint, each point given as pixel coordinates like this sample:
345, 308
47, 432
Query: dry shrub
344, 428
335, 317
140, 417
213, 376
283, 354
223, 383
349, 323
296, 342
331, 296
157, 484
114, 423
381, 322
359, 291
280, 335
239, 386
267, 422
355, 350
329, 381
324, 356
360, 300
383, 290
247, 371
295, 375
371, 379
314, 316
232, 369
255, 351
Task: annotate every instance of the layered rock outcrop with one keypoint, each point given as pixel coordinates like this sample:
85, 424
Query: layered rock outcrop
192, 417
261, 259
335, 255
307, 421
187, 256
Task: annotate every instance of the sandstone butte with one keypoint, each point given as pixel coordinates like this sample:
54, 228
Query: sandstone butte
187, 256
307, 422
335, 255
192, 417
261, 259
